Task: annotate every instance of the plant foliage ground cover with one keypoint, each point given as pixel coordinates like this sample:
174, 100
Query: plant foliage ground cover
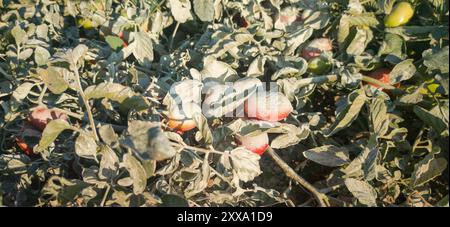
87, 93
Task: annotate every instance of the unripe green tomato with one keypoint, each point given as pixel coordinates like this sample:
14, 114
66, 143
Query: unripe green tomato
123, 13
400, 15
85, 23
319, 65
431, 87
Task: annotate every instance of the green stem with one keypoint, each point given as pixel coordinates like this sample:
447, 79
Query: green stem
18, 56
86, 104
41, 96
173, 35
157, 6
320, 197
108, 187
332, 78
212, 169
316, 80
378, 83
202, 150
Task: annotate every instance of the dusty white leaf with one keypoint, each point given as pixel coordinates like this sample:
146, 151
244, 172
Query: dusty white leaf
54, 80
51, 132
291, 136
143, 48
297, 38
427, 169
218, 71
348, 111
402, 71
85, 146
181, 10
137, 173
148, 141
363, 191
328, 155
204, 9
379, 116
19, 35
73, 56
109, 163
41, 56
256, 68
245, 163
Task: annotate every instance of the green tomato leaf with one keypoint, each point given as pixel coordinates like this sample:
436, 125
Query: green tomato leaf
427, 169
51, 132
349, 111
436, 60
328, 155
19, 35
363, 191
85, 146
54, 80
405, 70
204, 9
41, 56
148, 141
137, 173
114, 42
433, 118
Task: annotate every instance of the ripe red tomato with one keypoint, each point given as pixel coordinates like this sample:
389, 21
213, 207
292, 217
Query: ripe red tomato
382, 75
24, 146
181, 126
180, 118
271, 106
123, 38
257, 144
28, 138
316, 47
40, 117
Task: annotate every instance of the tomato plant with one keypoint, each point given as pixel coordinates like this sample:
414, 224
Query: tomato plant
224, 103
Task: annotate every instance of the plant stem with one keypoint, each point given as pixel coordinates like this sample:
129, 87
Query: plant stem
330, 189
86, 104
82, 118
157, 6
213, 170
332, 78
41, 96
206, 151
173, 35
315, 80
321, 198
18, 56
203, 150
380, 84
108, 187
